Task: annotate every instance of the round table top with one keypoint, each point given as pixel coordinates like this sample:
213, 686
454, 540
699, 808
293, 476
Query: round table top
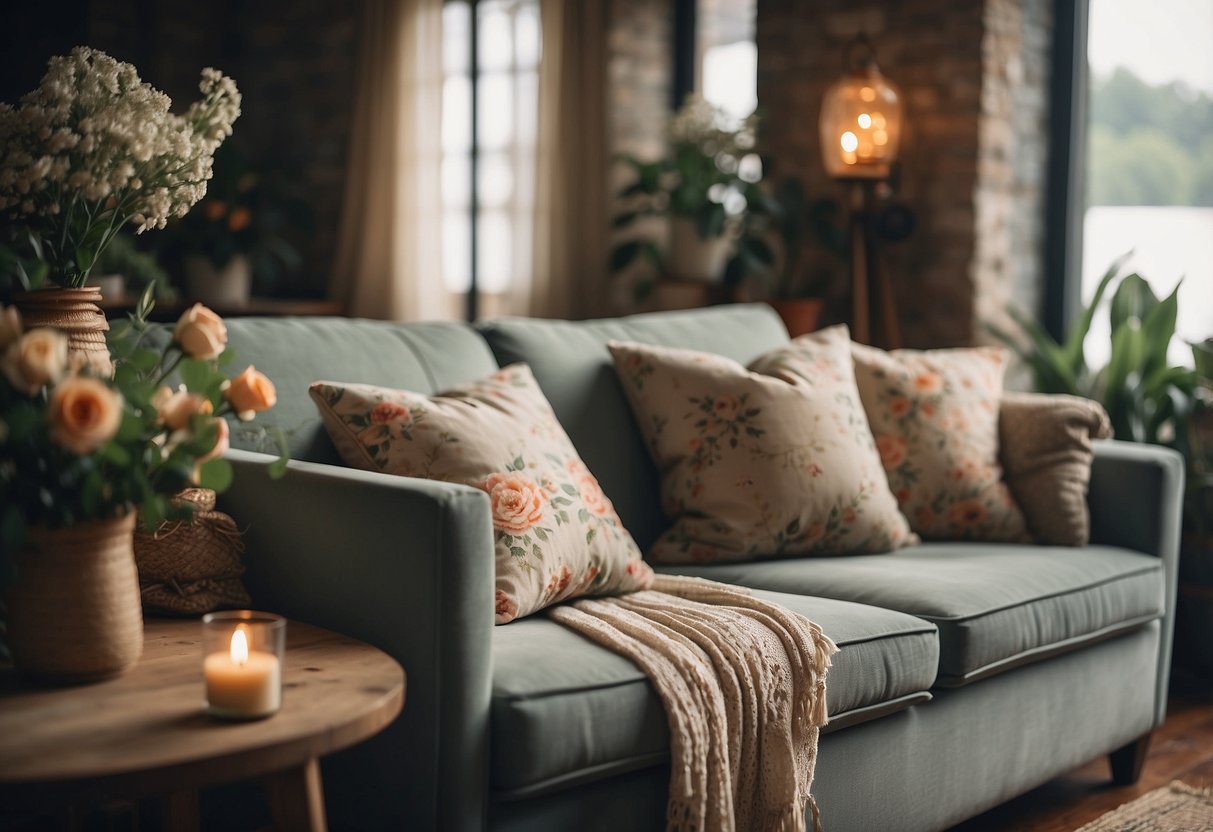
147, 728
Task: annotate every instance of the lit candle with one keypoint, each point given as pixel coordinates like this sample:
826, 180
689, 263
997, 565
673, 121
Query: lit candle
241, 682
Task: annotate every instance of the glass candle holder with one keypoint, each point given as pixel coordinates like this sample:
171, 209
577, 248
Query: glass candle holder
242, 658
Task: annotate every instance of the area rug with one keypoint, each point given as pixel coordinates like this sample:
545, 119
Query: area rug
1174, 808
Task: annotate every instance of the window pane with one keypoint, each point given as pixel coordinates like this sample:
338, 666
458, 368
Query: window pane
526, 36
456, 251
494, 251
456, 114
496, 180
456, 180
456, 16
496, 45
727, 73
1149, 156
496, 105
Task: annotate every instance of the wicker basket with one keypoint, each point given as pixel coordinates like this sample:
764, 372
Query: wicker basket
75, 313
73, 610
189, 568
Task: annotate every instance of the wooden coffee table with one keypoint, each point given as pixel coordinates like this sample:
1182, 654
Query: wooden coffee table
145, 733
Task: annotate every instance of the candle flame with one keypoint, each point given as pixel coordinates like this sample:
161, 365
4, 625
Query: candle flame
240, 646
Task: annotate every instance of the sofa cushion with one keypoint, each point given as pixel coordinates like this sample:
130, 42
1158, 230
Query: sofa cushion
556, 535
1045, 448
997, 606
934, 414
752, 464
574, 370
294, 352
567, 711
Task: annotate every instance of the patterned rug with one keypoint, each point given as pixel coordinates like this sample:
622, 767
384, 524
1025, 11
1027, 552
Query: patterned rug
1174, 808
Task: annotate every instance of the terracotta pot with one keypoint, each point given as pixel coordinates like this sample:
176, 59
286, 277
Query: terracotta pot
693, 258
799, 315
75, 313
221, 288
74, 613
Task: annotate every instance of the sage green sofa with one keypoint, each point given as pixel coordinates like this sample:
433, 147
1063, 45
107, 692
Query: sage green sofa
968, 674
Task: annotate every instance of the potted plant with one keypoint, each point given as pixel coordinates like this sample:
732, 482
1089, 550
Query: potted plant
1148, 399
236, 240
707, 187
89, 152
80, 452
132, 269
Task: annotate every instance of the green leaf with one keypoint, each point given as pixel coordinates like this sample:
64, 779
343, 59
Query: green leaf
115, 453
568, 489
759, 250
1133, 300
215, 474
623, 255
195, 375
1072, 350
1158, 329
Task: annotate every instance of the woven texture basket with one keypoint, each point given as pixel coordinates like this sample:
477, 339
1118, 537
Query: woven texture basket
75, 313
73, 611
189, 568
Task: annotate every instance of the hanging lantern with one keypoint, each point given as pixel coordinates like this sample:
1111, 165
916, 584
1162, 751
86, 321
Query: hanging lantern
860, 118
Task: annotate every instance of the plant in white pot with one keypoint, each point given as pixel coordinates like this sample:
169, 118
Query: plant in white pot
708, 188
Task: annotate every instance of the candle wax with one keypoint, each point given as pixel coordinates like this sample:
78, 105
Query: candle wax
252, 688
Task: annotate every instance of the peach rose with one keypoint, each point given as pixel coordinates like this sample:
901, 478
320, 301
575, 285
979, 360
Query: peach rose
176, 408
505, 609
559, 581
36, 359
591, 494
518, 502
10, 325
849, 516
385, 412
250, 392
892, 451
223, 435
927, 382
84, 414
966, 513
200, 333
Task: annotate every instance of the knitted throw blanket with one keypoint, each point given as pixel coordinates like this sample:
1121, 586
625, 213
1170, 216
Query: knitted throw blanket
743, 684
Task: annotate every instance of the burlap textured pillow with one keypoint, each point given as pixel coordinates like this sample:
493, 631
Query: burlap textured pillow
1046, 456
935, 418
755, 466
557, 534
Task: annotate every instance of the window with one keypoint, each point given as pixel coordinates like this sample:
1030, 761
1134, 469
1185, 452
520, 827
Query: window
489, 120
728, 55
1149, 159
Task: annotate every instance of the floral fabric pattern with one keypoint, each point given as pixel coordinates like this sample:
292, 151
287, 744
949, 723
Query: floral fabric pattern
557, 536
759, 464
934, 415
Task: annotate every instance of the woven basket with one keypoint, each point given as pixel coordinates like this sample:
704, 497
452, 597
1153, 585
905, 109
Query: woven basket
75, 313
189, 568
73, 610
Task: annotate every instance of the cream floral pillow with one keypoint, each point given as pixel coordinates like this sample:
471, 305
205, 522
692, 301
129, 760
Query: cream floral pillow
557, 534
935, 418
755, 466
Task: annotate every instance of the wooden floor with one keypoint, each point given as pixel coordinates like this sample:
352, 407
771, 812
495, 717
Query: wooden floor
1182, 749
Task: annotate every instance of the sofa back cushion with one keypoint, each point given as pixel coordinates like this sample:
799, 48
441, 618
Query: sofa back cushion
294, 352
571, 362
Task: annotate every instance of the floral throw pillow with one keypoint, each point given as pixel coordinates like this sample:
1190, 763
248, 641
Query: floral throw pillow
934, 414
757, 466
557, 534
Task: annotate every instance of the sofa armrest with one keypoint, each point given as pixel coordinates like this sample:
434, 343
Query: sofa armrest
406, 565
1136, 501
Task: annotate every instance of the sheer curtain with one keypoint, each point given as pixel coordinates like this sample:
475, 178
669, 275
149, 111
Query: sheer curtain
569, 274
388, 262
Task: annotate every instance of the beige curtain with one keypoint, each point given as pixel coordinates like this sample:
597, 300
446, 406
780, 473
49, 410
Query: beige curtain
569, 275
389, 256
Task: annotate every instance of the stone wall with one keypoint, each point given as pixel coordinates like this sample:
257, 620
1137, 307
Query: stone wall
972, 150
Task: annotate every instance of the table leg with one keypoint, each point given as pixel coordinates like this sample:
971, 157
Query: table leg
181, 813
296, 798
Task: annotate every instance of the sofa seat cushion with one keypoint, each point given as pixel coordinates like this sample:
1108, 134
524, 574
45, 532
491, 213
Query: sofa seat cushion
997, 606
566, 711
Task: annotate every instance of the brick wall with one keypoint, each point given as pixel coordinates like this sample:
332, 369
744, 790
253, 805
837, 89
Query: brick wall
972, 151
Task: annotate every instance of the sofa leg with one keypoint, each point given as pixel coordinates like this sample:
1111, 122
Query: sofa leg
1127, 762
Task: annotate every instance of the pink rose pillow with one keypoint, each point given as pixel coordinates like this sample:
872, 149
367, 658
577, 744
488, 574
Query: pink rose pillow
934, 414
557, 534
